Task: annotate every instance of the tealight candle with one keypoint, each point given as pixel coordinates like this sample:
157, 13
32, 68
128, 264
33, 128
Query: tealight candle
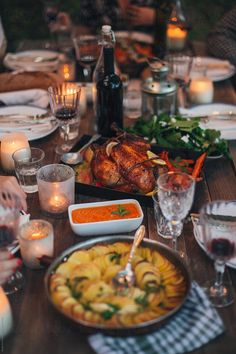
58, 203
9, 144
201, 90
56, 186
5, 315
176, 37
36, 240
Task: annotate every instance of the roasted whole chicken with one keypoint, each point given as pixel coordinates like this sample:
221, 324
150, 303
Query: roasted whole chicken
122, 163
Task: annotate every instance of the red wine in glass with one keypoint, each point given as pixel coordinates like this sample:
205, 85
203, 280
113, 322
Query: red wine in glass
221, 248
65, 114
87, 60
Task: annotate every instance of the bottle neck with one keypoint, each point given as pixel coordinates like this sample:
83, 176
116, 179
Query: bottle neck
107, 39
108, 53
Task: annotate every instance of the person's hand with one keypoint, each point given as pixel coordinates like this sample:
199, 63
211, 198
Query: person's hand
140, 16
8, 265
9, 184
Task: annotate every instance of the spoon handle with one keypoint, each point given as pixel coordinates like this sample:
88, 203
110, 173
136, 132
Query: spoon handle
139, 235
93, 138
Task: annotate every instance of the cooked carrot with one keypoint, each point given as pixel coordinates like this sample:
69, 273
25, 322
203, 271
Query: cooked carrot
165, 157
198, 165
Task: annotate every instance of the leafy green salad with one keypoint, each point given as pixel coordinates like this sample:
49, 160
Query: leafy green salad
180, 132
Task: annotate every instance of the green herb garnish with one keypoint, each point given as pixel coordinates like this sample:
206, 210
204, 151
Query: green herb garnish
142, 300
115, 257
180, 132
121, 211
106, 315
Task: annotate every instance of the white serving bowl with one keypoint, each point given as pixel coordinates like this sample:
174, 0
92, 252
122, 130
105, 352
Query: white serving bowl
105, 227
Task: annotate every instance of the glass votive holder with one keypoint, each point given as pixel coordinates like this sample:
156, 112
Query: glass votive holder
56, 186
27, 163
161, 222
36, 239
132, 104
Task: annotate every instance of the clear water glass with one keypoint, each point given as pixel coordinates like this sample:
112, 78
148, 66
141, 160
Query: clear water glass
175, 194
27, 162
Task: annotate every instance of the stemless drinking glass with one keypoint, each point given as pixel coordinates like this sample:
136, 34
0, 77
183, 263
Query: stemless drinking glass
64, 101
218, 222
27, 162
9, 223
175, 193
87, 52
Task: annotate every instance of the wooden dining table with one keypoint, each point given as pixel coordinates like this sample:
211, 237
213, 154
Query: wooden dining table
37, 326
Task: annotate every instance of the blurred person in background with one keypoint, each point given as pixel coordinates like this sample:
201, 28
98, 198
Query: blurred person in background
221, 41
137, 15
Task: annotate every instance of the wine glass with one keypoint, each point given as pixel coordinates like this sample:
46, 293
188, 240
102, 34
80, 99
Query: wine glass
218, 222
180, 67
87, 52
9, 223
175, 194
64, 102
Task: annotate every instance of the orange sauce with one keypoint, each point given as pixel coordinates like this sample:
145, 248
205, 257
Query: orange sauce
105, 213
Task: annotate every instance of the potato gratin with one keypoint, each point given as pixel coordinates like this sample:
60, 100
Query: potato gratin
82, 286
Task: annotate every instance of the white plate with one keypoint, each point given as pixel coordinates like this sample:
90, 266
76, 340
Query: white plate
37, 132
227, 127
216, 69
26, 60
136, 36
198, 237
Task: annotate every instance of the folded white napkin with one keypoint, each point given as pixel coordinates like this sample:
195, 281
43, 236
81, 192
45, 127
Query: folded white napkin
33, 97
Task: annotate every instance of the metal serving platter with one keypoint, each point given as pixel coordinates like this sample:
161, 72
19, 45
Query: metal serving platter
109, 193
141, 328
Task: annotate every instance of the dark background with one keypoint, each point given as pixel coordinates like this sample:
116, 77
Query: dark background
23, 19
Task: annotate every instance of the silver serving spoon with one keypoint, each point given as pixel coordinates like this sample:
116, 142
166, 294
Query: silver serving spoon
74, 158
126, 278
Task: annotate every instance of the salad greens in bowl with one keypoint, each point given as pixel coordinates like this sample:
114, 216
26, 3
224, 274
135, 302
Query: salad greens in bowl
181, 132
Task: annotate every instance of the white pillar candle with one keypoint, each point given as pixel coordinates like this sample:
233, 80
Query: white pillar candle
36, 240
9, 144
6, 322
201, 90
176, 37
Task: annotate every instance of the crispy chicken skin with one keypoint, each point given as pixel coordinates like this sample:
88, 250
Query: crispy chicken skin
104, 169
132, 164
127, 168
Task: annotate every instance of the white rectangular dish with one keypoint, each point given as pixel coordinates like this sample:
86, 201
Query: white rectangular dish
106, 227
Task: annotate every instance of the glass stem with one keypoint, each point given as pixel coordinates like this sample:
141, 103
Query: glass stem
219, 268
66, 133
88, 74
175, 229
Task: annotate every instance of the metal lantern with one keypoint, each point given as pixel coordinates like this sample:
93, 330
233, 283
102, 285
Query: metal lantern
158, 91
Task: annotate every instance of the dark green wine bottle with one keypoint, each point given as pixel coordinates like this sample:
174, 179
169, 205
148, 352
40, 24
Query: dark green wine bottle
109, 97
